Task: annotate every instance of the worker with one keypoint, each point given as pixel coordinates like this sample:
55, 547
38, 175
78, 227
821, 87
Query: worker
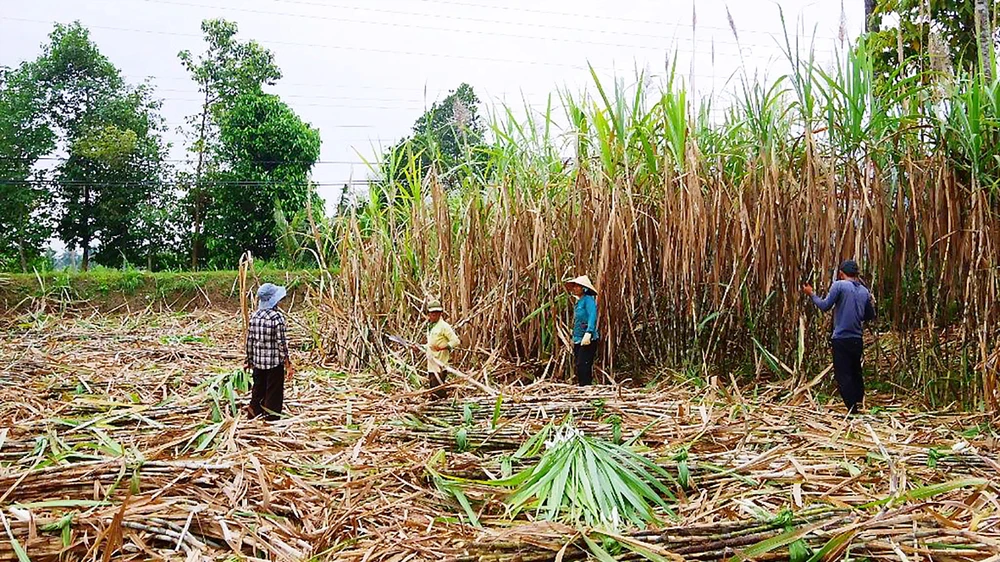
853, 305
585, 333
267, 354
441, 340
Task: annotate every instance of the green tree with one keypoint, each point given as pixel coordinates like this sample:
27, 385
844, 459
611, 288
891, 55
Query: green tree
112, 135
265, 153
929, 35
226, 69
448, 138
25, 136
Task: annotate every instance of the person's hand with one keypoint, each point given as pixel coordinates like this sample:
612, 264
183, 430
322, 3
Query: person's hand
587, 338
246, 365
289, 370
807, 289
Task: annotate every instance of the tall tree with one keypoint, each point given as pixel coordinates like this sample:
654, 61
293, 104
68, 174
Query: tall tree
984, 33
25, 137
871, 24
918, 26
265, 153
447, 137
226, 69
111, 133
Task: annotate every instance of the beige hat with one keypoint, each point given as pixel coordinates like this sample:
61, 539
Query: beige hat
434, 306
582, 281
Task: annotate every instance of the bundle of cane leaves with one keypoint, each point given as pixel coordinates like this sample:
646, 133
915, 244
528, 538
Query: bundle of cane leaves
580, 479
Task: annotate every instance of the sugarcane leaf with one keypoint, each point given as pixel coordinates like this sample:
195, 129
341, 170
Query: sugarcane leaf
776, 542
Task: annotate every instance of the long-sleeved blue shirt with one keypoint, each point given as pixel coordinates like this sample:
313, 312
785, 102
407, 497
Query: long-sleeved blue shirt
850, 301
585, 318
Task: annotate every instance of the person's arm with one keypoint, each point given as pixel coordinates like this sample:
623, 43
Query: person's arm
869, 310
282, 339
590, 310
830, 300
453, 339
249, 360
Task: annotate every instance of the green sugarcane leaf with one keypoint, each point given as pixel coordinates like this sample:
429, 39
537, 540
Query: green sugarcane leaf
776, 542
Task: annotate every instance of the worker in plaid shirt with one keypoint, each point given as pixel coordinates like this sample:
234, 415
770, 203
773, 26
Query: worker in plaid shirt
267, 354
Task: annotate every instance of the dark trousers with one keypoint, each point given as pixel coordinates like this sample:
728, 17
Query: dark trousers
583, 362
435, 381
847, 370
268, 392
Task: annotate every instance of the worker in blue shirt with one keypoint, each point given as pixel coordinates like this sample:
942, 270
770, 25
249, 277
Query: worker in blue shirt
852, 305
585, 333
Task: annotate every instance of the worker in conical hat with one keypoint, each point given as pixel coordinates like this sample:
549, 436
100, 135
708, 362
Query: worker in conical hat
585, 333
441, 339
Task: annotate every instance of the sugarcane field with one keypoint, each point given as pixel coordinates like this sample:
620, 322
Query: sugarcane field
482, 281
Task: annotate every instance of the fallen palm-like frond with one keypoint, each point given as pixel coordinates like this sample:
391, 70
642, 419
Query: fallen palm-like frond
580, 479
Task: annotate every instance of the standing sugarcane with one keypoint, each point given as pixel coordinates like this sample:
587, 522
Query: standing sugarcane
853, 305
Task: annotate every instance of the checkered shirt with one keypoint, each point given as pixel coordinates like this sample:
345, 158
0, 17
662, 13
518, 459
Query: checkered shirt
267, 346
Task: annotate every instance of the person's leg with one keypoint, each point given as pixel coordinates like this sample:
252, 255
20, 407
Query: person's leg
435, 380
257, 392
858, 352
589, 354
843, 371
583, 356
275, 392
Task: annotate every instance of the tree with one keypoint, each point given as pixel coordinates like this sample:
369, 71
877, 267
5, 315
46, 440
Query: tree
225, 70
960, 26
111, 133
984, 37
25, 136
265, 153
870, 23
447, 137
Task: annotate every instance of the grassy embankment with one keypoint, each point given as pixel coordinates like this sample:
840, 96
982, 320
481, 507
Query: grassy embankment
109, 290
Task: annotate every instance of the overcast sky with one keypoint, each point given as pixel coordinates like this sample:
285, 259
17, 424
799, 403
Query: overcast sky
362, 71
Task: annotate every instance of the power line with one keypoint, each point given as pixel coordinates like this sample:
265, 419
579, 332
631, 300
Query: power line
178, 183
467, 31
357, 48
322, 46
185, 161
520, 10
525, 10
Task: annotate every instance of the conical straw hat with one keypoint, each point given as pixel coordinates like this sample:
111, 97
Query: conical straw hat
582, 281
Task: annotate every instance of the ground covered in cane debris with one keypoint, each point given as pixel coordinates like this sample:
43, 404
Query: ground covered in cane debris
123, 437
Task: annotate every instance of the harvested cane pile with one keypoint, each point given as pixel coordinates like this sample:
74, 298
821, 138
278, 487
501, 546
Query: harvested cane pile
124, 438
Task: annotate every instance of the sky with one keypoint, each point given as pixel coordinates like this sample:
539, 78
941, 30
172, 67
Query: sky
362, 71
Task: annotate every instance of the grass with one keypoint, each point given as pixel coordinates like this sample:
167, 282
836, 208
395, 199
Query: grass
109, 288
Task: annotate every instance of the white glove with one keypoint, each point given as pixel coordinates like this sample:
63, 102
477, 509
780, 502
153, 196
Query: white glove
586, 339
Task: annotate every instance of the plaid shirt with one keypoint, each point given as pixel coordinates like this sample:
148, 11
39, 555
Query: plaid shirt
267, 346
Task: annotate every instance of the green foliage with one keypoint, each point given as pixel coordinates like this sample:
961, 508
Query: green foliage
913, 23
112, 133
448, 139
269, 152
226, 70
580, 479
25, 136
